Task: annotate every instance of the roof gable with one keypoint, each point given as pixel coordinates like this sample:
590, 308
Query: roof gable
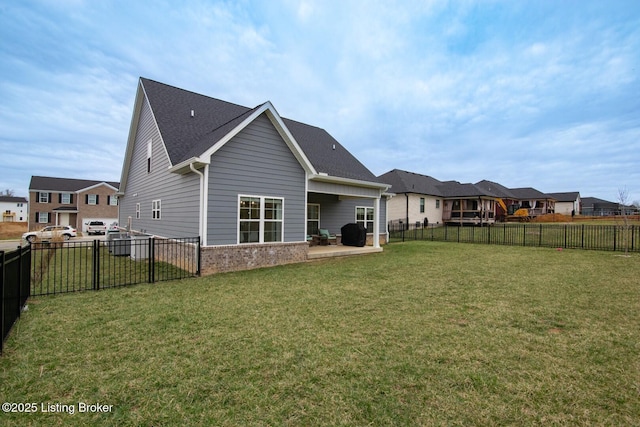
188, 135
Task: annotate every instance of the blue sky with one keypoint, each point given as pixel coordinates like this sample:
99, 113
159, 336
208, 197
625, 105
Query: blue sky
542, 94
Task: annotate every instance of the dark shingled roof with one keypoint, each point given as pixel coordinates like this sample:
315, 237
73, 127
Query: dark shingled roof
409, 182
186, 137
13, 199
565, 197
525, 193
64, 184
498, 189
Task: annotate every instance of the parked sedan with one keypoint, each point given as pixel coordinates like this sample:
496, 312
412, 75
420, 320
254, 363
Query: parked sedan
51, 232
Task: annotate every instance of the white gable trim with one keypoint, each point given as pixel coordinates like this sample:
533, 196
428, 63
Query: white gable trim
277, 122
141, 97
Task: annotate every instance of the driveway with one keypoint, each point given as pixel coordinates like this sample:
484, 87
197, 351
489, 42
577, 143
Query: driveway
10, 245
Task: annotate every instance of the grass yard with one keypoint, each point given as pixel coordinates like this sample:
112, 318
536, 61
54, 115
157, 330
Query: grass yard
425, 333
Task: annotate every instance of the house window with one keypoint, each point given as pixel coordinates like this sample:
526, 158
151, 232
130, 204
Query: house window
20, 205
65, 198
137, 210
313, 219
91, 199
43, 197
437, 203
421, 204
112, 200
365, 217
155, 209
42, 217
149, 151
260, 219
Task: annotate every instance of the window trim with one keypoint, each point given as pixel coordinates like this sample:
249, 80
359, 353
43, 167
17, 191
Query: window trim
89, 197
45, 199
422, 204
137, 210
261, 220
366, 221
312, 219
156, 209
68, 201
39, 216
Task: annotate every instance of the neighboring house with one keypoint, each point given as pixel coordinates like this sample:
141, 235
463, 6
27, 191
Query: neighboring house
418, 199
251, 184
14, 209
422, 200
74, 202
535, 201
592, 206
567, 203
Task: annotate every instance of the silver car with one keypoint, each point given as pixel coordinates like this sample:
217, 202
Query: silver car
50, 232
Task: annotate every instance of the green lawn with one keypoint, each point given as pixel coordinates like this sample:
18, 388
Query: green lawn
425, 333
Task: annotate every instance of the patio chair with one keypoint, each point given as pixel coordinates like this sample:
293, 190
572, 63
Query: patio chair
325, 236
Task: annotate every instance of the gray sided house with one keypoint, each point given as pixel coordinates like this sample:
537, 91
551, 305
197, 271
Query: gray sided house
253, 185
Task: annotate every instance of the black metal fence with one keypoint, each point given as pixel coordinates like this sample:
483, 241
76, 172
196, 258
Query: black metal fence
567, 236
14, 287
61, 267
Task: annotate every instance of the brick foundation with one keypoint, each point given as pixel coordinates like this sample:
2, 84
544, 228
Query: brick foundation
219, 259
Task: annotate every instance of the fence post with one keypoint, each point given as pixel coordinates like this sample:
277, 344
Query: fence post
96, 265
540, 237
582, 242
615, 236
199, 256
524, 234
565, 236
152, 260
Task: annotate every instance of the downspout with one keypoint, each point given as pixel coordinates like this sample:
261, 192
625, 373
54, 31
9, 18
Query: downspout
202, 196
407, 224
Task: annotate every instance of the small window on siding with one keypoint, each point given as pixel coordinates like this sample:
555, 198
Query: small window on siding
156, 209
137, 210
149, 152
421, 204
437, 203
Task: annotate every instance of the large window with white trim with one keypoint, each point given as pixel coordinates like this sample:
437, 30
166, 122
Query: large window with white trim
364, 216
260, 219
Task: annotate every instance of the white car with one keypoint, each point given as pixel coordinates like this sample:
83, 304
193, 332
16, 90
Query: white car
50, 232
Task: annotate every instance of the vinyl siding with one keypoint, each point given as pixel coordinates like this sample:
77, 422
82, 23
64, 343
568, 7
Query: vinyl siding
179, 194
256, 162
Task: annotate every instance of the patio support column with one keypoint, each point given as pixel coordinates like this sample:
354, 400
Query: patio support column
376, 222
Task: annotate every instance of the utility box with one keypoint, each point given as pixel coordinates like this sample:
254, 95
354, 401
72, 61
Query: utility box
120, 246
140, 247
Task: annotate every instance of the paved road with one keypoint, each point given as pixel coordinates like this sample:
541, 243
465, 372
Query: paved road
10, 245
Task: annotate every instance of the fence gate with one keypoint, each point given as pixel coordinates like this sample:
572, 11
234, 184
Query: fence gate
61, 267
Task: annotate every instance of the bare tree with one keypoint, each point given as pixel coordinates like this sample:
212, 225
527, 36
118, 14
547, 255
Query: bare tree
8, 192
623, 205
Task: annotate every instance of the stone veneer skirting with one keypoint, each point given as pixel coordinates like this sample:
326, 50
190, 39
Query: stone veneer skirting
219, 259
